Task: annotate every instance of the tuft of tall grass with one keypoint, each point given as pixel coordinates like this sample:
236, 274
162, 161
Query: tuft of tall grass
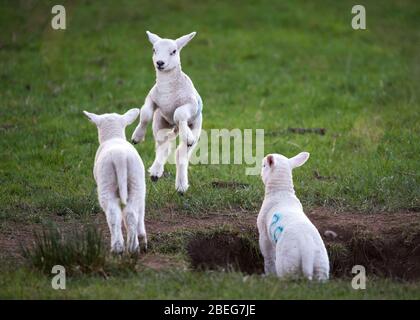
79, 251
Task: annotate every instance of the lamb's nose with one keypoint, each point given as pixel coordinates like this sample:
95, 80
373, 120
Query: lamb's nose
160, 63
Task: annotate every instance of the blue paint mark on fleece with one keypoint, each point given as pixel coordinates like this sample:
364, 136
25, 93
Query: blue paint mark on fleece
275, 228
199, 108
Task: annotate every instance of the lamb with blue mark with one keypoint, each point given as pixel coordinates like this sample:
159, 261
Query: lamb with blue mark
290, 244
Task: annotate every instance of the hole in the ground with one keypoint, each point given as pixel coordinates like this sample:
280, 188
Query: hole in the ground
227, 250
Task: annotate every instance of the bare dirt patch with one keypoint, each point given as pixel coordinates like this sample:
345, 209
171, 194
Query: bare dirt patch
387, 244
160, 262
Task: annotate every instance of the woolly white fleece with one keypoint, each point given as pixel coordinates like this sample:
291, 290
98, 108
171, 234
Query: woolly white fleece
175, 106
290, 243
119, 174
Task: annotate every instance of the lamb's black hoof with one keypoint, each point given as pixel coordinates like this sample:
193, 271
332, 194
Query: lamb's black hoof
143, 249
154, 178
133, 141
181, 193
117, 254
190, 145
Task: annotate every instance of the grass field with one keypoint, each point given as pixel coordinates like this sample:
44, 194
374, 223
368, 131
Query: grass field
272, 65
177, 284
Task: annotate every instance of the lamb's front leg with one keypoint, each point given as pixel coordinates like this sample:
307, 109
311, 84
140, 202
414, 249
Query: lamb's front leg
182, 116
146, 114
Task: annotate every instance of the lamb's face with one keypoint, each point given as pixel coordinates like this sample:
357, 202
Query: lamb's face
166, 52
278, 168
165, 55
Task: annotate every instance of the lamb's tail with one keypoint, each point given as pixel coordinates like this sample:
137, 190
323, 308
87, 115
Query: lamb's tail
121, 172
308, 260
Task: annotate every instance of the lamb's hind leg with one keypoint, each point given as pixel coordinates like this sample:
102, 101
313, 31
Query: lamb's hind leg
287, 259
131, 223
163, 134
134, 211
183, 154
268, 252
113, 216
322, 267
141, 227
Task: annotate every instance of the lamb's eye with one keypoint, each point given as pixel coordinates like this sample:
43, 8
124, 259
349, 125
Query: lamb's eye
173, 52
154, 51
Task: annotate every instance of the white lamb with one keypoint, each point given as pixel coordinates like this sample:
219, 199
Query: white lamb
175, 106
119, 174
290, 243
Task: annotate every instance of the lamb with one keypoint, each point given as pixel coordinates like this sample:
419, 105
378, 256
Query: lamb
175, 106
119, 174
291, 245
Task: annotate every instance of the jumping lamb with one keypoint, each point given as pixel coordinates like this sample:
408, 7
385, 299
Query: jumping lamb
119, 174
175, 106
291, 245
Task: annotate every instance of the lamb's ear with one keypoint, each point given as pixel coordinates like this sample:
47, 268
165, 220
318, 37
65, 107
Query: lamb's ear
130, 116
299, 160
92, 117
153, 37
270, 160
182, 41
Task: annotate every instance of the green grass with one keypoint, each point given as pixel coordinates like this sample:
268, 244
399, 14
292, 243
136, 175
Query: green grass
79, 251
176, 284
257, 64
270, 65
